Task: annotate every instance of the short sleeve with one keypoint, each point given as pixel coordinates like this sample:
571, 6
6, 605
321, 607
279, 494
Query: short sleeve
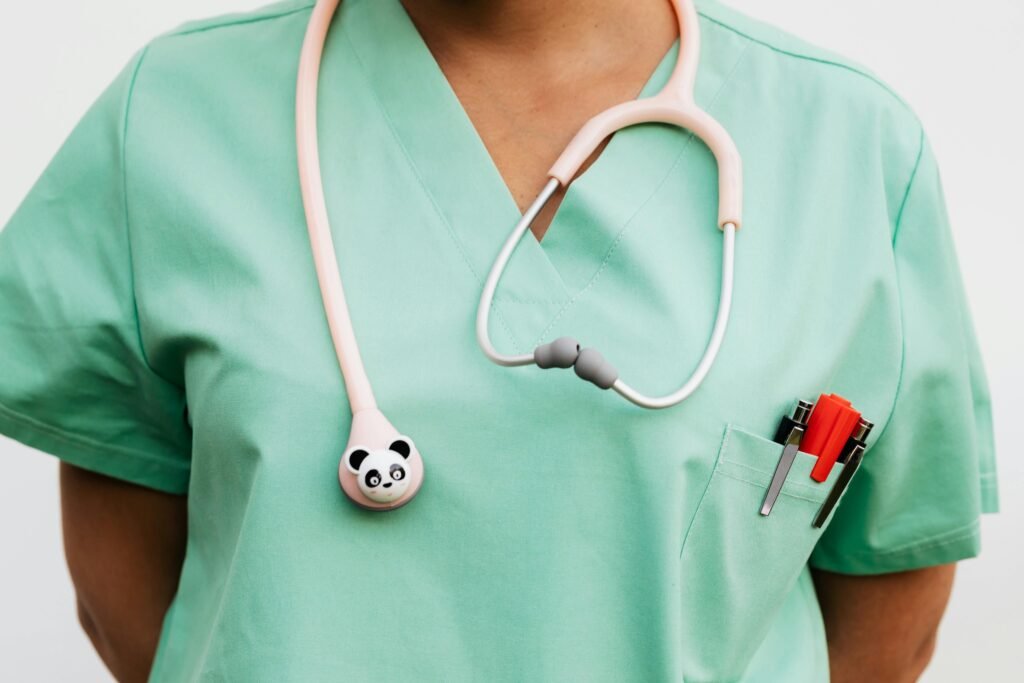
930, 474
74, 378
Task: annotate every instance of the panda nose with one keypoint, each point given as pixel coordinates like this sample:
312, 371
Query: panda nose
387, 485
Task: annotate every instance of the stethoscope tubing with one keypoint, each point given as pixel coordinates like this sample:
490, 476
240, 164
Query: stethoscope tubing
622, 388
357, 384
370, 429
674, 104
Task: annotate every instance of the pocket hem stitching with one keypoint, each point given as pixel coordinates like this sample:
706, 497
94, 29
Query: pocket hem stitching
786, 490
707, 486
759, 485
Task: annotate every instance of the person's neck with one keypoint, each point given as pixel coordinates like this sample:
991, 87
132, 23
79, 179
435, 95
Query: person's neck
552, 33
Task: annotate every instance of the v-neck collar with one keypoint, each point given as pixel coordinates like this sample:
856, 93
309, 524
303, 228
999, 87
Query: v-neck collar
467, 189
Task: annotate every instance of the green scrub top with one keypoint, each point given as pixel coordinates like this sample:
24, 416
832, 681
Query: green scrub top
561, 534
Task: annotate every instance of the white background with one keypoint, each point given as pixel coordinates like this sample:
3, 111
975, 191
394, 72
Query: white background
958, 64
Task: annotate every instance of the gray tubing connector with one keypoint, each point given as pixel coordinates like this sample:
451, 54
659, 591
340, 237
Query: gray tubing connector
591, 366
561, 353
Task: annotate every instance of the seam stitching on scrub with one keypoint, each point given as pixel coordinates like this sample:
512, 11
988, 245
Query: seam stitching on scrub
714, 468
938, 540
910, 184
84, 441
817, 60
234, 22
613, 248
760, 485
129, 324
896, 275
127, 224
768, 474
423, 186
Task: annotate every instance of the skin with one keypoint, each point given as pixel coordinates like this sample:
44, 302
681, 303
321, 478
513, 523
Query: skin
525, 72
884, 627
124, 546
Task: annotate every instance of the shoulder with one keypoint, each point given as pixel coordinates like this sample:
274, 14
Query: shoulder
264, 13
828, 107
799, 58
229, 46
224, 66
818, 74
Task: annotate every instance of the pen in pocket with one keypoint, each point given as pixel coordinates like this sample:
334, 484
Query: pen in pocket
789, 433
851, 456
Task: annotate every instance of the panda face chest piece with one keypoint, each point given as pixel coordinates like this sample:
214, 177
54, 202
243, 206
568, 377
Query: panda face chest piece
383, 475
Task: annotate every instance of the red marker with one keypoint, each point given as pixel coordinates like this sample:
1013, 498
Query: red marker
828, 429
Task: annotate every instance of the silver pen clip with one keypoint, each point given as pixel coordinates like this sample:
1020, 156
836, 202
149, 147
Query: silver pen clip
851, 458
790, 432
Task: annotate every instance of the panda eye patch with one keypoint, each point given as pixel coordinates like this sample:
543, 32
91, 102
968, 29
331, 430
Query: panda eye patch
372, 478
397, 473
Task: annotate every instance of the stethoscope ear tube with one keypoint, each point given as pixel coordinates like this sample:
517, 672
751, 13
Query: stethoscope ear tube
674, 104
588, 363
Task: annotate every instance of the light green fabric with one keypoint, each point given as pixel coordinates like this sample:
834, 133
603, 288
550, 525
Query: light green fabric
561, 533
726, 586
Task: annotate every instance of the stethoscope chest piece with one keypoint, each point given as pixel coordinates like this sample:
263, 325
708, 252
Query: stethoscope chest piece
380, 468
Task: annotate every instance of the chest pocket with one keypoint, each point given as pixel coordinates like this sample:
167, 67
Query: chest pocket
736, 566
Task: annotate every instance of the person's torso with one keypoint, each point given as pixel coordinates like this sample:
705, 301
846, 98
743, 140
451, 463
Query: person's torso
561, 533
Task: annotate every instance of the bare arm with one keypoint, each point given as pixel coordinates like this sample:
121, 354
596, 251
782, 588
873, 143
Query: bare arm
124, 546
883, 627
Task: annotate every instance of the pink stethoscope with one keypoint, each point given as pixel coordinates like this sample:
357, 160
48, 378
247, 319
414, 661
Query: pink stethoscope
381, 469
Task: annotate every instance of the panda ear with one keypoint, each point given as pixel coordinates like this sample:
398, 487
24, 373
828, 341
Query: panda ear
354, 459
401, 446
